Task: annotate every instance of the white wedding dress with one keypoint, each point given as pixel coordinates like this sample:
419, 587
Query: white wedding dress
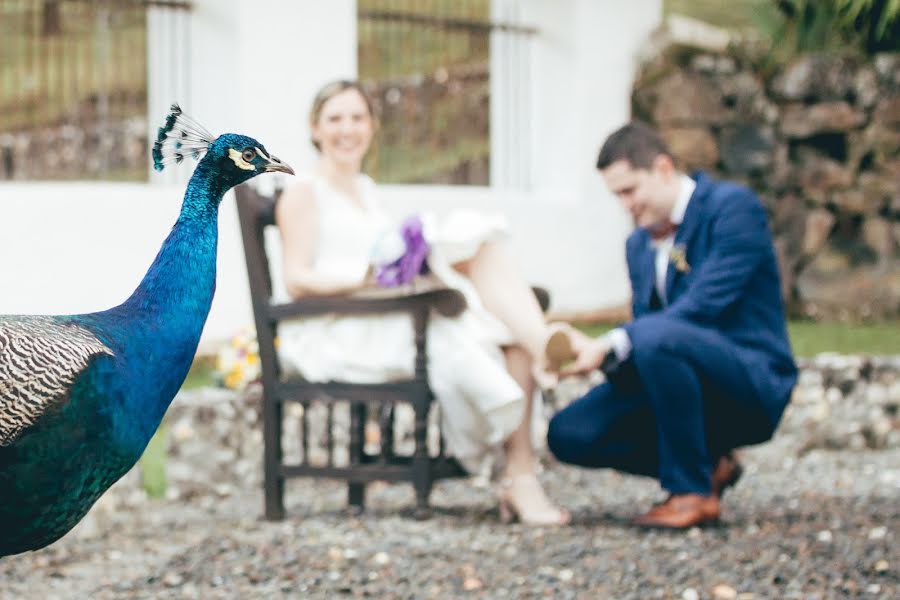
480, 402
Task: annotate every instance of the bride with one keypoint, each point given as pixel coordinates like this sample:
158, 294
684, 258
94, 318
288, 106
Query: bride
480, 363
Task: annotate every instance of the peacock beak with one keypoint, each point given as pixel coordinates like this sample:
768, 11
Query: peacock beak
276, 165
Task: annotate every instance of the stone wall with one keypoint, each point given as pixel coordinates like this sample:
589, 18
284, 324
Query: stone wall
840, 402
819, 140
114, 149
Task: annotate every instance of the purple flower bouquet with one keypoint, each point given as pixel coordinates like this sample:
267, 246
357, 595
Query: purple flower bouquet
400, 256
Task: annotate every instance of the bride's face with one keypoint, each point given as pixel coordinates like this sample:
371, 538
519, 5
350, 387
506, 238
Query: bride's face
344, 128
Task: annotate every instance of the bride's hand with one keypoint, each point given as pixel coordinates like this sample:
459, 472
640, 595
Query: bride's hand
368, 280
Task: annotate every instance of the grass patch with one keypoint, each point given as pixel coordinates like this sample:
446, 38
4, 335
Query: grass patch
153, 463
202, 373
810, 338
736, 14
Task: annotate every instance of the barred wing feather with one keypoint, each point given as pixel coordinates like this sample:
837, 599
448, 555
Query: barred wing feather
40, 358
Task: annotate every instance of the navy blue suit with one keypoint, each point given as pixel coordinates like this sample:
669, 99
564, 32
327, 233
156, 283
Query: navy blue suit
710, 370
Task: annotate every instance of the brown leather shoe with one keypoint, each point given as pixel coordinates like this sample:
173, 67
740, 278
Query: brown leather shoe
728, 470
680, 512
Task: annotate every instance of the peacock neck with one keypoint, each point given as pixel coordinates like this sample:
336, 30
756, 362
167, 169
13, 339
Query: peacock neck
179, 285
162, 321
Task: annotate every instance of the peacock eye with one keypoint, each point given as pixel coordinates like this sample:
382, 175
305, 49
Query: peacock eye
249, 154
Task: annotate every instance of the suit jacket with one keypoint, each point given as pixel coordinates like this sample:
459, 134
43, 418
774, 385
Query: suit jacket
723, 275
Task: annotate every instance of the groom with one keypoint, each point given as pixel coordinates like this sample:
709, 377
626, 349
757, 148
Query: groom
705, 365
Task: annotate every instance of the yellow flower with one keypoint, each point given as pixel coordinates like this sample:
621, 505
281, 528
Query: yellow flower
232, 380
238, 361
677, 256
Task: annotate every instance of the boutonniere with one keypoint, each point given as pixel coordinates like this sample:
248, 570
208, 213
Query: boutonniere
678, 257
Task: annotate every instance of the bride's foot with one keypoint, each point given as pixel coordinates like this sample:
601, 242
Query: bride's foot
522, 497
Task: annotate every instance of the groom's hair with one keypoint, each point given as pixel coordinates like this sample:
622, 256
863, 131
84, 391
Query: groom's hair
637, 143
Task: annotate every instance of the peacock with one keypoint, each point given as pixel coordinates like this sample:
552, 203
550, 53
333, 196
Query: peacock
81, 395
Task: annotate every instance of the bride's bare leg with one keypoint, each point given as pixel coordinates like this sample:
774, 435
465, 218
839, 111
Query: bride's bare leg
505, 294
520, 492
519, 453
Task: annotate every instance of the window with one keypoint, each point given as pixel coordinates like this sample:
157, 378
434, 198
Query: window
73, 89
428, 66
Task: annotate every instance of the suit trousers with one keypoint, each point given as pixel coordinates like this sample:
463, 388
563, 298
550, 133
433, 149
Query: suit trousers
683, 398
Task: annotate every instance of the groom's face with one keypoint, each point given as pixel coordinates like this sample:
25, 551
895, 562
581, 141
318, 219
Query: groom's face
644, 192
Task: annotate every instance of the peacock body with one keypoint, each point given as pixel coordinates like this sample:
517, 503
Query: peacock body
81, 395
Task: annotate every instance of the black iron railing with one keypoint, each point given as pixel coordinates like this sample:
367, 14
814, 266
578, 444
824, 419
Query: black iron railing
427, 65
73, 88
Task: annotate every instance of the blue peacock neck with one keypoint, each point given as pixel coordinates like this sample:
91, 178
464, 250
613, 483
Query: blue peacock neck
165, 315
178, 287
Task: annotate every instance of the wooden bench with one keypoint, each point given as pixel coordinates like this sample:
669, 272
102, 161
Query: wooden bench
422, 468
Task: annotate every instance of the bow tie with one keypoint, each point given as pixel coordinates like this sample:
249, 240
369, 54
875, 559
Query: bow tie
662, 230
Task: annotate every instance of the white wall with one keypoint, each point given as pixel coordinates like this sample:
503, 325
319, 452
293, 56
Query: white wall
78, 247
69, 248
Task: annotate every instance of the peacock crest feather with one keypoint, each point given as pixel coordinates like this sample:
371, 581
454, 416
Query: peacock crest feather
179, 137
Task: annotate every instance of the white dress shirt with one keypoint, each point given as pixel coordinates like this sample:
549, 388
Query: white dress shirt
618, 338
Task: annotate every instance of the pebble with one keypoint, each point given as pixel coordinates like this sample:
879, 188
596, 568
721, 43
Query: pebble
724, 592
690, 594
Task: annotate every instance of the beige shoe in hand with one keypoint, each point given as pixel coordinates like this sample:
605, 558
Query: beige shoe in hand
559, 349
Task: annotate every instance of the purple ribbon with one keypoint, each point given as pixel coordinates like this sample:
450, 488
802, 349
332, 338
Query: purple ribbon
412, 262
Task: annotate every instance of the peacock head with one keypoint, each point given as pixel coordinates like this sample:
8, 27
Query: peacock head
240, 157
236, 158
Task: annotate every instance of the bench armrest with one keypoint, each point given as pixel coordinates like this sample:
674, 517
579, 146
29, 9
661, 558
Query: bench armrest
446, 301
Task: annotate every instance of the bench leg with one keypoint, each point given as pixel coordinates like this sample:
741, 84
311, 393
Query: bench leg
274, 481
356, 497
422, 482
274, 498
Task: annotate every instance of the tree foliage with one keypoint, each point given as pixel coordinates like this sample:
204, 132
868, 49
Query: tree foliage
860, 26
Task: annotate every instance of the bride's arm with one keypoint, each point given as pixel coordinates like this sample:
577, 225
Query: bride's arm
297, 218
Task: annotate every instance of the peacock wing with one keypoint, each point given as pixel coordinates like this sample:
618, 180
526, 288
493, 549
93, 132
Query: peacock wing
40, 358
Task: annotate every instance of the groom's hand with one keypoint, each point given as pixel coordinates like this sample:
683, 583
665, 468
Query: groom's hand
591, 353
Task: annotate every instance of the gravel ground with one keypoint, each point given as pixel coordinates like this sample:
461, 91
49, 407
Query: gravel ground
805, 522
821, 526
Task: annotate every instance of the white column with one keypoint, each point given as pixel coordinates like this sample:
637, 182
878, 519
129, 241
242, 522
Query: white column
608, 36
168, 73
511, 119
583, 64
